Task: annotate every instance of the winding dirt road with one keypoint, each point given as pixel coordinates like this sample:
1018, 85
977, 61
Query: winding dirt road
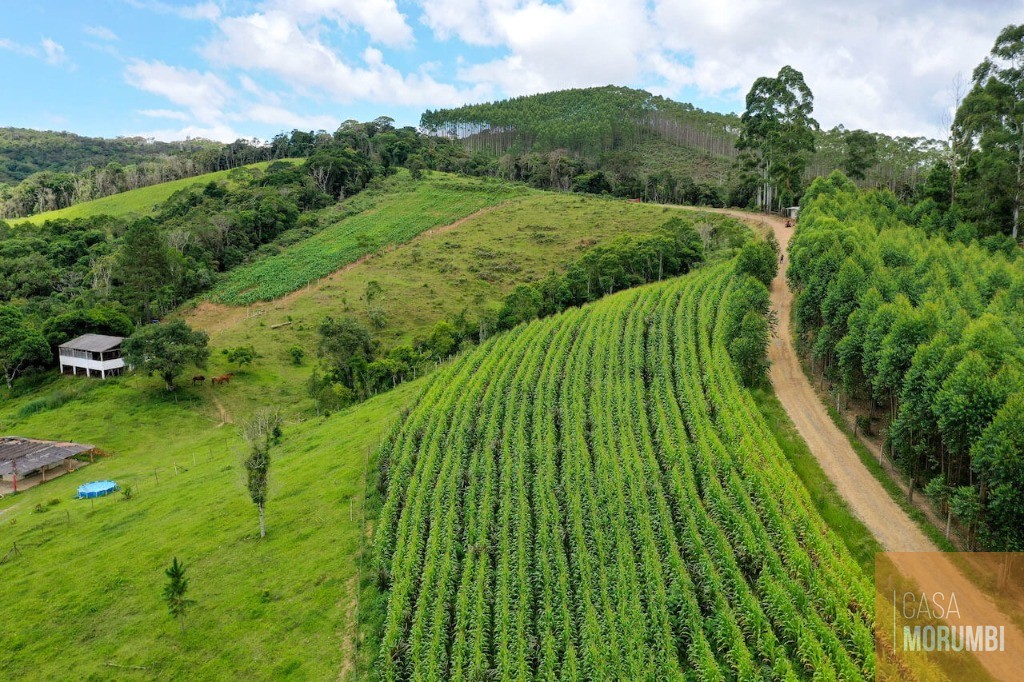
911, 552
866, 497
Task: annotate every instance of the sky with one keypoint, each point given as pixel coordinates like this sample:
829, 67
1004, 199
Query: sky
225, 69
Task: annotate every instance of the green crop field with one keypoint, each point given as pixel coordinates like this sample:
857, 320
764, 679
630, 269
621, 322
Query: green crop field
596, 497
401, 214
137, 202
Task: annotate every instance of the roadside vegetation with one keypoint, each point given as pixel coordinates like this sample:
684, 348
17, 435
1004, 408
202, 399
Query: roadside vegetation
925, 328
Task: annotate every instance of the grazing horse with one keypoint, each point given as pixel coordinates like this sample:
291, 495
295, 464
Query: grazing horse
222, 379
198, 379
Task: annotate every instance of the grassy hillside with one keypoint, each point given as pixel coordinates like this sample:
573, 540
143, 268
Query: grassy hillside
134, 203
470, 266
85, 590
573, 499
396, 215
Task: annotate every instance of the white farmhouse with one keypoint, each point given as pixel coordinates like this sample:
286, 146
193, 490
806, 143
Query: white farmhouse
95, 354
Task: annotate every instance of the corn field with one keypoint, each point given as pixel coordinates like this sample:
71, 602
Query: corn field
594, 496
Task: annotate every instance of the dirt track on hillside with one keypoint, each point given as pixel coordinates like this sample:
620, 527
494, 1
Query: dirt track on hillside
866, 497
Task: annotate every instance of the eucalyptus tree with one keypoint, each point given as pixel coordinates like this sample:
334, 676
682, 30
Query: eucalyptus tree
989, 126
777, 135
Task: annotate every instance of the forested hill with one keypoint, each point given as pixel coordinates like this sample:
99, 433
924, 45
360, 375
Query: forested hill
585, 121
24, 152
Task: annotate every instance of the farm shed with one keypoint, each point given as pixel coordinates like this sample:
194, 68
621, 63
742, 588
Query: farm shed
21, 458
96, 355
792, 212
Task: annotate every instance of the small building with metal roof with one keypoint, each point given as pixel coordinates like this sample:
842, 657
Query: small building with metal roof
21, 458
95, 355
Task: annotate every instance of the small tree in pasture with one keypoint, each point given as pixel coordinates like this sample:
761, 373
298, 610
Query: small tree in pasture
175, 592
166, 349
262, 431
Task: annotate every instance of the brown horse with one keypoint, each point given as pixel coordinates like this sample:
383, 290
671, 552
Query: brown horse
198, 379
222, 379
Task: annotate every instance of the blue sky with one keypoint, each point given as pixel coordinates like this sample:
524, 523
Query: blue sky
251, 68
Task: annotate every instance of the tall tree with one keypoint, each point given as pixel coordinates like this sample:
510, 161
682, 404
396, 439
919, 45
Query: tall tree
261, 432
777, 134
861, 149
166, 349
990, 127
21, 344
175, 592
143, 266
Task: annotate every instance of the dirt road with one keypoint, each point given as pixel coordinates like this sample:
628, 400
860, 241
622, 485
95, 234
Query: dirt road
865, 496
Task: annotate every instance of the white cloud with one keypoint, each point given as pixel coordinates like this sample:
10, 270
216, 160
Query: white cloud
53, 52
379, 18
10, 45
279, 116
209, 11
221, 133
169, 114
877, 64
274, 42
261, 93
581, 43
101, 32
203, 94
49, 51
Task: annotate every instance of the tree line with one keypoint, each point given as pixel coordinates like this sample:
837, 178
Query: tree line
921, 319
55, 188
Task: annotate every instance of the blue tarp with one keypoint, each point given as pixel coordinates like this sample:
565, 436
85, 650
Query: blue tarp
96, 489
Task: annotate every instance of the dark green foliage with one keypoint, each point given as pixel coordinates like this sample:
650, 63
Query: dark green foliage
339, 172
989, 135
25, 152
522, 305
346, 347
749, 348
749, 294
595, 182
861, 153
100, 319
166, 349
760, 260
998, 457
777, 136
176, 591
242, 355
143, 268
925, 323
21, 345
